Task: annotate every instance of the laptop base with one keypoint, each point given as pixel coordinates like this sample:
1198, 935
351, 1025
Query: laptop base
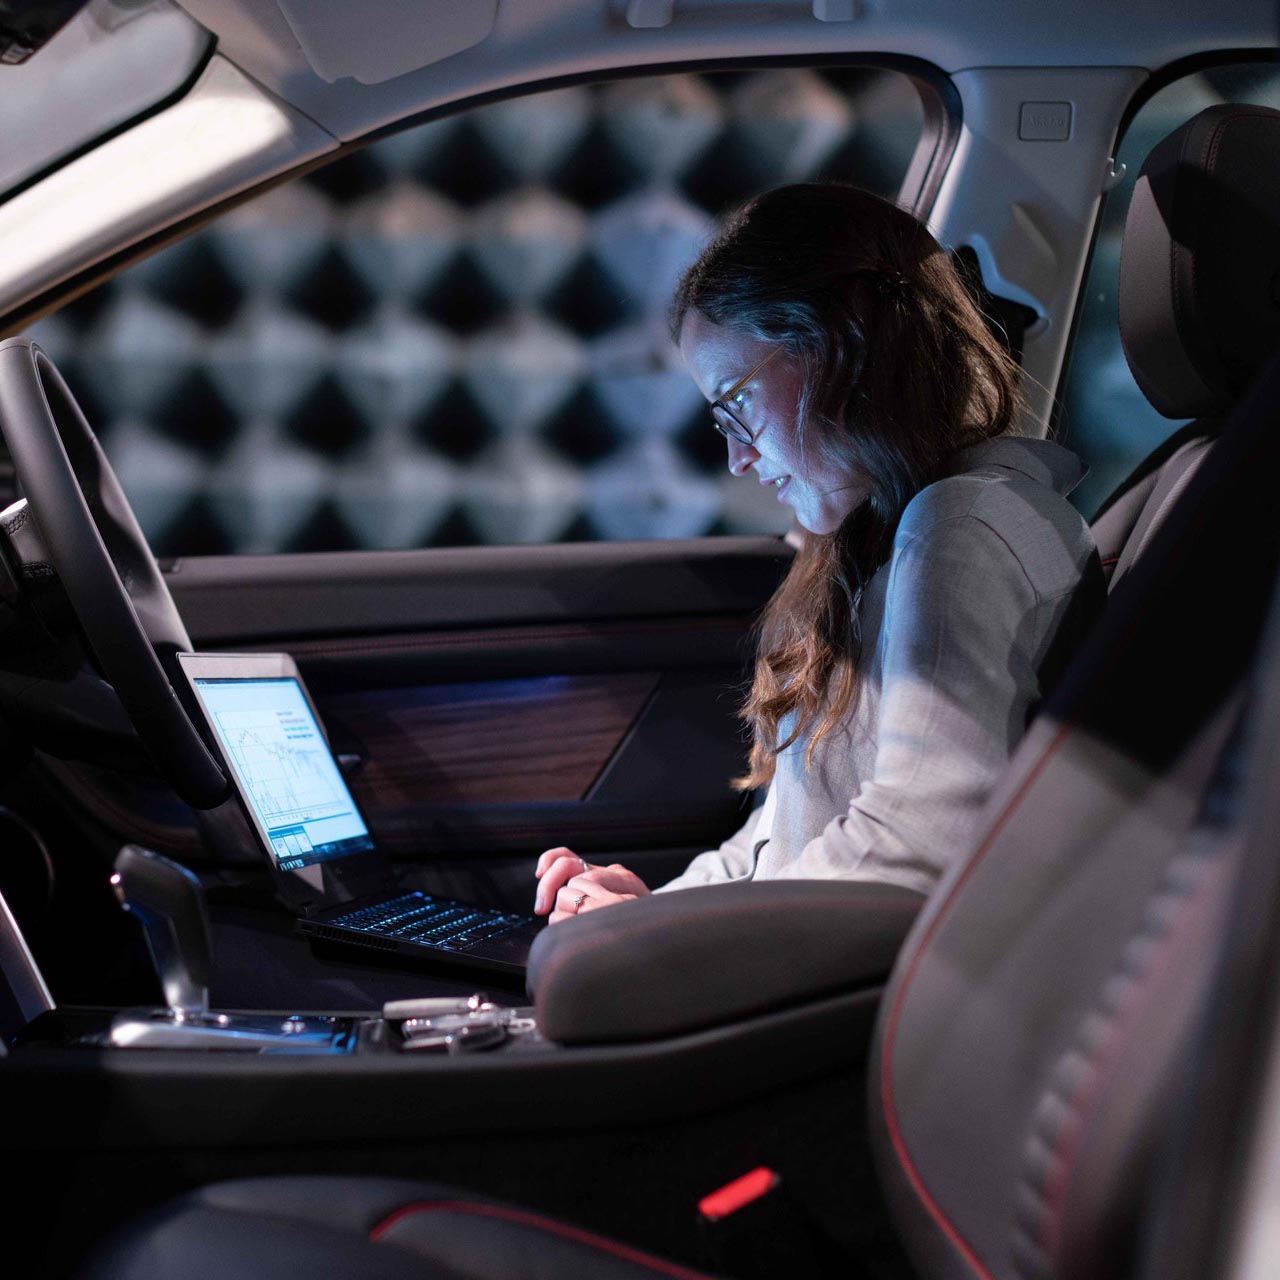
429, 928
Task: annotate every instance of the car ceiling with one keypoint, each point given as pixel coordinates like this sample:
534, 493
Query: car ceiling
354, 68
357, 67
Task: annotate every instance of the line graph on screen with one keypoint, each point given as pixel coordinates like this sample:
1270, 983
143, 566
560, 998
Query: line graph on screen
285, 768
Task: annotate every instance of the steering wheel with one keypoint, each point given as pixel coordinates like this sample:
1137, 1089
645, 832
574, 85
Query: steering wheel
92, 541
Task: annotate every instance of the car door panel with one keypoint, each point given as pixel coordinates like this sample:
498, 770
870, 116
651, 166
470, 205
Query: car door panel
487, 703
228, 600
486, 742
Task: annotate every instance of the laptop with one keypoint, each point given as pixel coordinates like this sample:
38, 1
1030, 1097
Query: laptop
326, 866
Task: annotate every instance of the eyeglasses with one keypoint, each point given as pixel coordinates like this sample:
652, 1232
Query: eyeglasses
727, 422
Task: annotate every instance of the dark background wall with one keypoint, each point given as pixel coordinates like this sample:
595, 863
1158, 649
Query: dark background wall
458, 335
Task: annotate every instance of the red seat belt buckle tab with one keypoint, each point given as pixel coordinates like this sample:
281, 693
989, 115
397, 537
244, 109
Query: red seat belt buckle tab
738, 1194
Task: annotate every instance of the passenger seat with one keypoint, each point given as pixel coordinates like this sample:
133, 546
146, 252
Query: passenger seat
1199, 302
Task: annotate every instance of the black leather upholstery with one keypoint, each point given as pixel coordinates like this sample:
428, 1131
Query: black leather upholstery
1200, 265
679, 962
1053, 977
328, 1228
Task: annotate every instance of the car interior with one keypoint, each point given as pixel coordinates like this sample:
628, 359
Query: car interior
1060, 1064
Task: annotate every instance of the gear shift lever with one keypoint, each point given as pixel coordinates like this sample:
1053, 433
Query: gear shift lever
168, 902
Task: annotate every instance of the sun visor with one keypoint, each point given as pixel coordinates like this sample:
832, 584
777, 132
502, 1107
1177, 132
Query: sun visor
377, 40
108, 65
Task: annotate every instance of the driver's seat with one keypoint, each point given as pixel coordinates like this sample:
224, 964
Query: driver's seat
1052, 1004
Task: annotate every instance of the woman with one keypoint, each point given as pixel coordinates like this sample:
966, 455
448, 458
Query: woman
899, 661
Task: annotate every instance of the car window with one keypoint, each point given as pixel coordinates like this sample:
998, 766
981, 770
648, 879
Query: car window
1103, 416
458, 335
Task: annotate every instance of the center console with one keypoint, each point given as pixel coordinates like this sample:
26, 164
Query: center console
660, 1010
168, 903
675, 1041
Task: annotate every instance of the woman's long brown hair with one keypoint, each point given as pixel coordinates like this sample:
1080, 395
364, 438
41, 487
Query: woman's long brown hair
899, 373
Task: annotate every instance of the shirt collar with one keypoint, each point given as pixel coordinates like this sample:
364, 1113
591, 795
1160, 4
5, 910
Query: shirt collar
1041, 460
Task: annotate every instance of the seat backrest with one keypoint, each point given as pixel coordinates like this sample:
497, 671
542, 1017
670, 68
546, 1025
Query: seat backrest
1199, 301
1054, 977
1025, 1045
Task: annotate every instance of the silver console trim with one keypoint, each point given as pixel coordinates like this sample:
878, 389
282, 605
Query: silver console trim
230, 1032
18, 968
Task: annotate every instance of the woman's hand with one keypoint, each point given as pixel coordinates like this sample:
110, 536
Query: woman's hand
569, 885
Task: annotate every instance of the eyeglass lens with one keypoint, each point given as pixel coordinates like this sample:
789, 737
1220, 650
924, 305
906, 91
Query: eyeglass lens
727, 424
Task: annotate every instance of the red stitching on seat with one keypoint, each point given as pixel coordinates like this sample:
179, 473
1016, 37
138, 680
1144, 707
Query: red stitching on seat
1110, 559
886, 1057
524, 1219
1083, 1101
1083, 706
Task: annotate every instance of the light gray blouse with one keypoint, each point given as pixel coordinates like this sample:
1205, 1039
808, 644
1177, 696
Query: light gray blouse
955, 627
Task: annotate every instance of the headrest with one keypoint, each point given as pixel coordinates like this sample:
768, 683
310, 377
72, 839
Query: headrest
1200, 262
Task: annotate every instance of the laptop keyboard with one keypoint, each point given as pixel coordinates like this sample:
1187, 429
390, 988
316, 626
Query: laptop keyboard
417, 917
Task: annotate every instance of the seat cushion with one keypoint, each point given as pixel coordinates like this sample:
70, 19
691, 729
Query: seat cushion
325, 1228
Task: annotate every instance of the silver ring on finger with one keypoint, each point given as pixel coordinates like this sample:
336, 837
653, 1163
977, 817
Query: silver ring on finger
585, 865
578, 900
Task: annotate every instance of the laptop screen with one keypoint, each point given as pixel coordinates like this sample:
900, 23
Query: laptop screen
284, 768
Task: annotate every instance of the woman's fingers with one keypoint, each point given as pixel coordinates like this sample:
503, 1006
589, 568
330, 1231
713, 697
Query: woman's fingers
553, 876
582, 894
618, 879
603, 899
556, 867
548, 858
571, 897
